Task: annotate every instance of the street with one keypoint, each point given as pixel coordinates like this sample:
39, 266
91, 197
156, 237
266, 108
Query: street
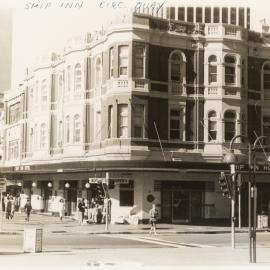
66, 244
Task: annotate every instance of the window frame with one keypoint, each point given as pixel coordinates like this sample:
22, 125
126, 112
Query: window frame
43, 136
212, 69
78, 77
178, 119
122, 128
139, 119
76, 128
229, 121
127, 191
123, 56
142, 57
229, 66
212, 119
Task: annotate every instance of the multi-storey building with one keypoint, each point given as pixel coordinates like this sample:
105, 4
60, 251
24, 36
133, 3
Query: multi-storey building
152, 103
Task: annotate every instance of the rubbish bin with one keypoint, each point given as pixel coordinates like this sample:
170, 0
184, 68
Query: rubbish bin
32, 241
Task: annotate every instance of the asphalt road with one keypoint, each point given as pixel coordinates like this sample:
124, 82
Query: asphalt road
62, 241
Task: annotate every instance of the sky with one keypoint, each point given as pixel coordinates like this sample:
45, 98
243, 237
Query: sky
45, 28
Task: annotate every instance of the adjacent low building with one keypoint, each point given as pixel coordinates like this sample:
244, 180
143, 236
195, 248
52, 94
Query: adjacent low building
152, 103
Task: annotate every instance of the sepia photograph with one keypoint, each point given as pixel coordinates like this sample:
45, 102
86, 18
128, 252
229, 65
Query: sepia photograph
134, 134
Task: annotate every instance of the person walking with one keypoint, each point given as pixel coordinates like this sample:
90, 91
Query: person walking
27, 209
81, 208
12, 207
61, 209
153, 213
8, 208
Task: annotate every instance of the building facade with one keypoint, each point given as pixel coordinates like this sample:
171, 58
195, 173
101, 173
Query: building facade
151, 103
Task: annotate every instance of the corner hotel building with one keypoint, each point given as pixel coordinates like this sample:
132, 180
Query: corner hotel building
153, 101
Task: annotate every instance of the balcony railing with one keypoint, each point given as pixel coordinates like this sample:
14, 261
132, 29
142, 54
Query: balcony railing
224, 31
227, 92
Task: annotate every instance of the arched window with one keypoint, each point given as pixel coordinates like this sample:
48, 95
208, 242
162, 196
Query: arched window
67, 129
68, 78
212, 126
230, 123
175, 67
230, 69
98, 71
44, 94
43, 136
212, 65
77, 78
266, 80
77, 129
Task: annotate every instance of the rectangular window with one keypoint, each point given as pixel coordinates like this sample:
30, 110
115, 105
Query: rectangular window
266, 126
212, 74
233, 16
122, 124
123, 60
190, 14
207, 15
229, 75
181, 14
241, 17
175, 124
216, 15
127, 194
139, 61
13, 149
111, 62
212, 129
110, 120
224, 15
170, 13
98, 126
198, 14
14, 113
138, 120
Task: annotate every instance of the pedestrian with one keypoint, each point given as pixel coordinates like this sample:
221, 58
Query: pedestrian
81, 208
153, 213
27, 209
8, 208
12, 207
61, 209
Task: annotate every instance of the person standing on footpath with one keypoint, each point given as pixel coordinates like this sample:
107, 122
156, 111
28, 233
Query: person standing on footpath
153, 213
8, 208
27, 209
61, 209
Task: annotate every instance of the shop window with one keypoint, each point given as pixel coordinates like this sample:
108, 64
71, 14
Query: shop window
138, 120
181, 14
212, 64
122, 123
198, 14
224, 15
139, 61
230, 123
233, 16
230, 69
127, 194
77, 78
216, 15
212, 126
123, 61
266, 80
207, 15
190, 14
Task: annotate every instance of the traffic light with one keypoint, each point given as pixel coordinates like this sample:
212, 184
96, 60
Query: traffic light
224, 185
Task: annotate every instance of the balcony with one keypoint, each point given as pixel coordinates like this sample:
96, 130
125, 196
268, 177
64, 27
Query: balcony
214, 92
177, 88
224, 31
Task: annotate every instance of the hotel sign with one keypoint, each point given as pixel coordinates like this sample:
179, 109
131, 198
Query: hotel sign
258, 168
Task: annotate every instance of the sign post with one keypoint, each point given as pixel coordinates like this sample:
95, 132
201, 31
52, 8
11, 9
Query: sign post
3, 186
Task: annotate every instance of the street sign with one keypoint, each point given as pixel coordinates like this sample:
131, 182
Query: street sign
120, 180
3, 184
97, 180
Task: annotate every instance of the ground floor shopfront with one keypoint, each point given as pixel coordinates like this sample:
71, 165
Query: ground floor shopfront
181, 195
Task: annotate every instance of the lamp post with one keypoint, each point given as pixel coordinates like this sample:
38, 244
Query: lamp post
231, 159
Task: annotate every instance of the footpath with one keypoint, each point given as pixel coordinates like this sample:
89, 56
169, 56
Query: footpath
51, 224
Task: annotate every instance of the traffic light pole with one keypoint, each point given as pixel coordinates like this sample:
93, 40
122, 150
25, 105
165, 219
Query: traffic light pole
232, 167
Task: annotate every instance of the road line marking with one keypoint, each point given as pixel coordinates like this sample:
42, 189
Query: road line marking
152, 241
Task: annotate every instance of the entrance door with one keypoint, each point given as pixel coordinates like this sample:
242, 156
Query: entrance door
180, 206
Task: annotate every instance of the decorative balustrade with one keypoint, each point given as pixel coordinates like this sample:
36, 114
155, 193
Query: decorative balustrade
224, 31
212, 91
176, 88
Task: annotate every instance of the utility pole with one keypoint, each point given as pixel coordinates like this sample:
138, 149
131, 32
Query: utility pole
232, 167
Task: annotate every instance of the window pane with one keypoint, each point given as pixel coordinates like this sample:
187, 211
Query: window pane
233, 15
198, 14
190, 14
181, 14
216, 15
241, 17
224, 15
207, 17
